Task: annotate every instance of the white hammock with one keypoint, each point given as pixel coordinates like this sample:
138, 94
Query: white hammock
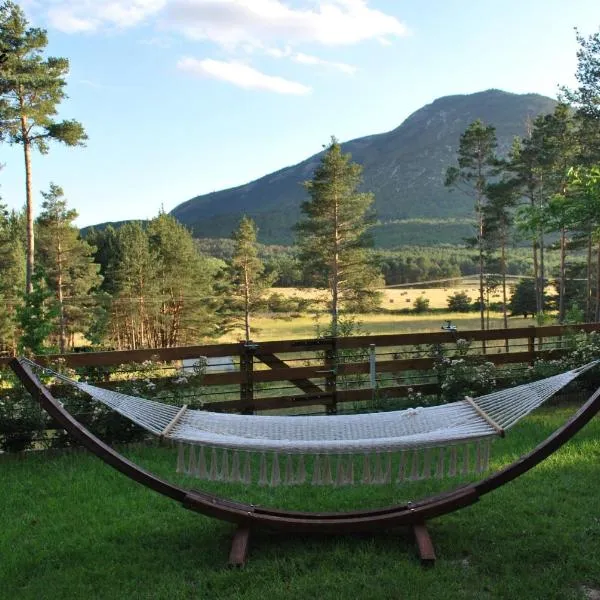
417, 435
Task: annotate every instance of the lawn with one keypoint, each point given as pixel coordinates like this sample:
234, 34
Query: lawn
73, 528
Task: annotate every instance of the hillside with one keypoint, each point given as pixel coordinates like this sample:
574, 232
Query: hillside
404, 168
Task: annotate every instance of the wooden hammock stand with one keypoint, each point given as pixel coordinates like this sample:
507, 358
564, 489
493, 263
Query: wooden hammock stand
249, 517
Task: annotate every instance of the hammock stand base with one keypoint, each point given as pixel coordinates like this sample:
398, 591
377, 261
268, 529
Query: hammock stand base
413, 516
249, 517
240, 545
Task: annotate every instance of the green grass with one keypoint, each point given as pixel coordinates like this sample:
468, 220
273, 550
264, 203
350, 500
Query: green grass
73, 528
268, 328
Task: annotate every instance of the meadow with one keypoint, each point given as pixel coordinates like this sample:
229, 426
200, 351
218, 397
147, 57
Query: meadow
276, 326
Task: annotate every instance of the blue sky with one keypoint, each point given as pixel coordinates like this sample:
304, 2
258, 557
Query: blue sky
184, 97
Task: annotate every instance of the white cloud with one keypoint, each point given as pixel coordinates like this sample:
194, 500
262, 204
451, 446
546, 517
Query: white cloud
307, 59
231, 23
241, 75
72, 16
64, 20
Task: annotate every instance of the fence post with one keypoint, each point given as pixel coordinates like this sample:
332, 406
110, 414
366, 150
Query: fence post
373, 371
531, 343
247, 350
331, 364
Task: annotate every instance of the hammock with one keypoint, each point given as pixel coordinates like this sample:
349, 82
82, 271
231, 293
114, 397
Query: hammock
416, 443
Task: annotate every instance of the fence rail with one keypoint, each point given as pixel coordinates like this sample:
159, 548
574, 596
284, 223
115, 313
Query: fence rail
325, 372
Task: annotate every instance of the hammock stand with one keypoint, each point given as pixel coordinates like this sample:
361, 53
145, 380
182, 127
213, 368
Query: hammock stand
249, 517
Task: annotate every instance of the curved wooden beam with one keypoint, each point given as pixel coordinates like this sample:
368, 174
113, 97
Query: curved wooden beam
248, 515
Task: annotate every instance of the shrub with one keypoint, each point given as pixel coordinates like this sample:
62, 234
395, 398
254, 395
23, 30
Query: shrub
465, 376
421, 305
459, 302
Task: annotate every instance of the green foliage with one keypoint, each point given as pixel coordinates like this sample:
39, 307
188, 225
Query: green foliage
333, 236
31, 88
279, 303
68, 263
478, 166
421, 305
247, 273
465, 376
523, 299
574, 315
586, 97
579, 348
37, 316
459, 302
12, 275
399, 233
21, 421
163, 289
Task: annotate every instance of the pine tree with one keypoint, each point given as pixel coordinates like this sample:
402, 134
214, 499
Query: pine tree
541, 163
187, 306
68, 263
12, 275
477, 165
333, 235
586, 97
37, 315
163, 292
247, 271
583, 205
135, 277
497, 226
31, 88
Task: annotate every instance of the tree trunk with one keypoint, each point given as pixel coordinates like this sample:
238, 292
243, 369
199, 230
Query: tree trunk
503, 274
542, 275
536, 275
588, 285
597, 315
481, 267
335, 272
61, 307
561, 279
246, 304
29, 207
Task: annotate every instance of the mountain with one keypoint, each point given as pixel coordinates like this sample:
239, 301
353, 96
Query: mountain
404, 168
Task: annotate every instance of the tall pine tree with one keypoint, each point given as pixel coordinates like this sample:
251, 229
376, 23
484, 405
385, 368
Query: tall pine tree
333, 236
247, 271
12, 275
31, 88
68, 263
477, 165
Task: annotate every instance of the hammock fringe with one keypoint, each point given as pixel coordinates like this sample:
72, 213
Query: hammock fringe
274, 469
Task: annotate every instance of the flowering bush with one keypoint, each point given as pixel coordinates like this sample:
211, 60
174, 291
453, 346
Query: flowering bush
465, 376
581, 348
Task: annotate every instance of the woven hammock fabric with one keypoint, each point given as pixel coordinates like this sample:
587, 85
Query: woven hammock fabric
396, 430
466, 422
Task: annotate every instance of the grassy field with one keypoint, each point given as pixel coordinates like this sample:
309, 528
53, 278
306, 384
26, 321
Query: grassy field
73, 528
398, 298
281, 326
277, 327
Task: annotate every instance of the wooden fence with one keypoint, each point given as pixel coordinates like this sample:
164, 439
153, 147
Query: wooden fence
327, 372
